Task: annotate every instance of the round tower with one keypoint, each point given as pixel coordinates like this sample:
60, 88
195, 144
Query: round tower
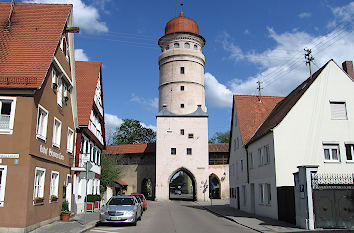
181, 64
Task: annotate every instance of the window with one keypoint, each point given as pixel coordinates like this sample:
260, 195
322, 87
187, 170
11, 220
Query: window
176, 45
190, 135
42, 122
182, 88
331, 152
349, 148
38, 191
251, 160
3, 171
173, 151
338, 111
94, 155
264, 194
70, 141
7, 114
260, 157
56, 132
182, 70
54, 78
195, 47
187, 45
241, 164
266, 154
54, 184
189, 151
167, 47
60, 92
182, 105
182, 131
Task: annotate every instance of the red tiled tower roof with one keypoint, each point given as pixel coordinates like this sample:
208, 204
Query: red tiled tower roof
181, 24
28, 45
87, 73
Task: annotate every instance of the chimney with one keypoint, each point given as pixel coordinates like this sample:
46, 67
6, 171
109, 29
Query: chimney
348, 68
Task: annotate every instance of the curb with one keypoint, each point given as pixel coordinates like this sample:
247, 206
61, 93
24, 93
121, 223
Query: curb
88, 226
231, 219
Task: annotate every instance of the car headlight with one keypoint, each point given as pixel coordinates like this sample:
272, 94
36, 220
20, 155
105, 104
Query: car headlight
130, 212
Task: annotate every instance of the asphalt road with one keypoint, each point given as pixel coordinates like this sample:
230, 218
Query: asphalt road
175, 217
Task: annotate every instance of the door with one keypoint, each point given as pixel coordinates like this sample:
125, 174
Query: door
238, 197
68, 190
253, 208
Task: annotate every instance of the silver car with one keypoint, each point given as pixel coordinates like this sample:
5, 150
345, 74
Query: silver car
121, 209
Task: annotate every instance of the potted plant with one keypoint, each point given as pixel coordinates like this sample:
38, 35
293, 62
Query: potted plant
53, 198
38, 200
65, 213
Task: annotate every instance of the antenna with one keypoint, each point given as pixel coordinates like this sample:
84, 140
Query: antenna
309, 58
259, 88
182, 7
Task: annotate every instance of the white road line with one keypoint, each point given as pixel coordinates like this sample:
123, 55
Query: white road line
103, 231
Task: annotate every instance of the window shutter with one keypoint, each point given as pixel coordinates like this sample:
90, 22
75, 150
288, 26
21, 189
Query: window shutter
338, 111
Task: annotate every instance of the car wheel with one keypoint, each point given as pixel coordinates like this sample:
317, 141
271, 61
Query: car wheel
135, 221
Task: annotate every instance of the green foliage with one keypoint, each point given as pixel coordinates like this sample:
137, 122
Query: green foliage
110, 172
65, 207
93, 198
132, 132
220, 137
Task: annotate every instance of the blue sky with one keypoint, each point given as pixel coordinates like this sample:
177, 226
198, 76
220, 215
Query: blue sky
246, 41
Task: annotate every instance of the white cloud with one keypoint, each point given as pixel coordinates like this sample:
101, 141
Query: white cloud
87, 17
80, 55
304, 15
283, 67
217, 94
153, 127
150, 103
345, 13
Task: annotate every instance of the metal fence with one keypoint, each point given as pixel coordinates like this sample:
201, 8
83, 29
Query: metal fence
332, 181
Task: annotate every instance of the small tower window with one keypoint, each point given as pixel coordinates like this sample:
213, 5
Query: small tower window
167, 47
189, 151
182, 88
182, 105
182, 70
190, 135
176, 45
182, 131
187, 45
173, 151
195, 47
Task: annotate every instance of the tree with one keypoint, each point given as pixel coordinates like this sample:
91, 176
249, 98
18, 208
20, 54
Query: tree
110, 172
132, 132
220, 137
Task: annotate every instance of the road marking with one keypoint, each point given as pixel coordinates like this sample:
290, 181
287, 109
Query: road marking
97, 230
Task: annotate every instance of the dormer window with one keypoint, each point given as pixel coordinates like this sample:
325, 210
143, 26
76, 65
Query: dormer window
176, 45
64, 46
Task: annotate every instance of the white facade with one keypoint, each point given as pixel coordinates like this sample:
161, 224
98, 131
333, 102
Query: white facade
303, 137
182, 121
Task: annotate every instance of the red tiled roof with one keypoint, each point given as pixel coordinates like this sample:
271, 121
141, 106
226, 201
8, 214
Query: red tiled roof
86, 81
29, 44
121, 182
283, 107
218, 147
251, 112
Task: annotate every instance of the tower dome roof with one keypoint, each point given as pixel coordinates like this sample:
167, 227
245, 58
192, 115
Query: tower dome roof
181, 24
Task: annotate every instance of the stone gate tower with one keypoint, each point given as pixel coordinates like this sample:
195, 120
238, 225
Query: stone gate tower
182, 121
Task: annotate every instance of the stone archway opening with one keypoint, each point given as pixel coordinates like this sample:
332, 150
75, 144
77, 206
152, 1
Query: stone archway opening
147, 188
214, 187
182, 186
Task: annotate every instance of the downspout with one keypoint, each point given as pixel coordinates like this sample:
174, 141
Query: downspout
248, 173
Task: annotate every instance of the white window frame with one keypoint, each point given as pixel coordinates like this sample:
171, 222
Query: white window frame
351, 151
12, 114
266, 157
42, 135
336, 112
331, 147
265, 194
60, 92
70, 141
56, 137
54, 184
3, 168
40, 186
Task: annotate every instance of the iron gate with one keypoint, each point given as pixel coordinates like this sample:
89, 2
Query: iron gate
333, 200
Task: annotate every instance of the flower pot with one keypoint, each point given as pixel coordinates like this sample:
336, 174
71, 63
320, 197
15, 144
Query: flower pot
54, 199
38, 200
65, 217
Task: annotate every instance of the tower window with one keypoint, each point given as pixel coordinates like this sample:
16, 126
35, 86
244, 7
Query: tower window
182, 131
195, 47
173, 151
182, 70
182, 105
190, 135
187, 45
176, 45
182, 88
189, 151
167, 47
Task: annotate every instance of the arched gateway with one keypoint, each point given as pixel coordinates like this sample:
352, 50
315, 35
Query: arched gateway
182, 186
214, 187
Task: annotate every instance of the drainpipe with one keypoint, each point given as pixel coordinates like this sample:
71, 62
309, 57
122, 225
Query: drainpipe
247, 167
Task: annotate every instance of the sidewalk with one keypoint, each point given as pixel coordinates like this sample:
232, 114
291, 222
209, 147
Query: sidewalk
76, 224
254, 222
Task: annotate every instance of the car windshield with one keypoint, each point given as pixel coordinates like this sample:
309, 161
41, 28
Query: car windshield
121, 201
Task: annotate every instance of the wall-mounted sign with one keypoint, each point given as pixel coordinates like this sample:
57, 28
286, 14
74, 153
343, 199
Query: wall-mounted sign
50, 152
9, 156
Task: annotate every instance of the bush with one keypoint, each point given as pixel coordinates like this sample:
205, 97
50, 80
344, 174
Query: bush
93, 198
65, 207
